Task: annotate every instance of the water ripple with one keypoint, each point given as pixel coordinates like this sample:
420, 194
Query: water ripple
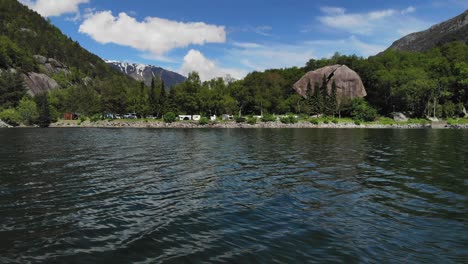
275, 196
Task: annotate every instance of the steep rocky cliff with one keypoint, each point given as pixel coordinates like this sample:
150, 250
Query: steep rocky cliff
455, 29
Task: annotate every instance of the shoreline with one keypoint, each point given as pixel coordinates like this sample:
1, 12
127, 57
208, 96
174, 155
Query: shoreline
232, 125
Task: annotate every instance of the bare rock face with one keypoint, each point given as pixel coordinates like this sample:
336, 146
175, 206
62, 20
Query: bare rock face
399, 117
38, 83
3, 124
52, 66
348, 83
455, 29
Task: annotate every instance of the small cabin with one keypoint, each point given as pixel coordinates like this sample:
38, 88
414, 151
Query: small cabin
71, 116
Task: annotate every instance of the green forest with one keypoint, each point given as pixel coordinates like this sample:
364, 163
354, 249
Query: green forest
433, 83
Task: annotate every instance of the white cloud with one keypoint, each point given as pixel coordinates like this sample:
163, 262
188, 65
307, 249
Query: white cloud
264, 30
154, 35
409, 9
243, 59
277, 55
206, 68
381, 14
48, 8
331, 10
247, 45
383, 22
273, 55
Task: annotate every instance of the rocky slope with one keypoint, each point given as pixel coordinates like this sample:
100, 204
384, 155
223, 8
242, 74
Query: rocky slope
31, 45
348, 83
146, 73
455, 29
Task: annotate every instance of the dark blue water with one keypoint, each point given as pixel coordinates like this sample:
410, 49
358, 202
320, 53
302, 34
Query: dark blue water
234, 196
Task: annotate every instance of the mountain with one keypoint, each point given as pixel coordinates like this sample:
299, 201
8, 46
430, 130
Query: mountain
146, 73
46, 58
455, 29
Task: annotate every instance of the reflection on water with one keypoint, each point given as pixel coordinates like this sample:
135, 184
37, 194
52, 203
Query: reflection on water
279, 195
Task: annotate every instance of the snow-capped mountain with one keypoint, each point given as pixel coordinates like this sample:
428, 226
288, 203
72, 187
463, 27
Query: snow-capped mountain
141, 72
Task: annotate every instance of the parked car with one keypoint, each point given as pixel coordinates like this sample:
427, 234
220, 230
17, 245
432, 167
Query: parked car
110, 116
131, 116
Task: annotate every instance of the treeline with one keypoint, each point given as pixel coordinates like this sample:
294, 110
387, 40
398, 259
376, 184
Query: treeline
418, 84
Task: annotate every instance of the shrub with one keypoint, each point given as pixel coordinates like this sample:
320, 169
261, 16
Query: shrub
268, 118
288, 119
459, 110
452, 121
326, 121
203, 121
170, 117
28, 111
335, 121
83, 118
54, 114
361, 110
95, 118
357, 122
449, 110
314, 121
252, 120
10, 116
239, 119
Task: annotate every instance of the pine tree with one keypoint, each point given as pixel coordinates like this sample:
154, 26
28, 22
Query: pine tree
43, 106
325, 106
333, 99
152, 98
317, 104
162, 98
310, 99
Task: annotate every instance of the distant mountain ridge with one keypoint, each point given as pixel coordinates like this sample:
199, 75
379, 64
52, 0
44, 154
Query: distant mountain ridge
146, 73
455, 29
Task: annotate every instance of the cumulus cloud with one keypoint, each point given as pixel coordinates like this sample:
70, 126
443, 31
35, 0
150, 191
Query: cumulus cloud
206, 68
48, 8
154, 35
380, 21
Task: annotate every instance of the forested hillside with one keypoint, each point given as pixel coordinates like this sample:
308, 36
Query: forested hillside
88, 85
422, 84
36, 35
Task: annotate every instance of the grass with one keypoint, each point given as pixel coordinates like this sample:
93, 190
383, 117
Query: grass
458, 121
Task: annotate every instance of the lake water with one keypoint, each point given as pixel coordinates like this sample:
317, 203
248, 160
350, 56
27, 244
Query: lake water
233, 195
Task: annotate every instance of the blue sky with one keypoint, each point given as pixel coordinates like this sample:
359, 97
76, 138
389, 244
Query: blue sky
223, 37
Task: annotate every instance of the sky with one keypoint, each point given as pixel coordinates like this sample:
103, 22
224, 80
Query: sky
220, 37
